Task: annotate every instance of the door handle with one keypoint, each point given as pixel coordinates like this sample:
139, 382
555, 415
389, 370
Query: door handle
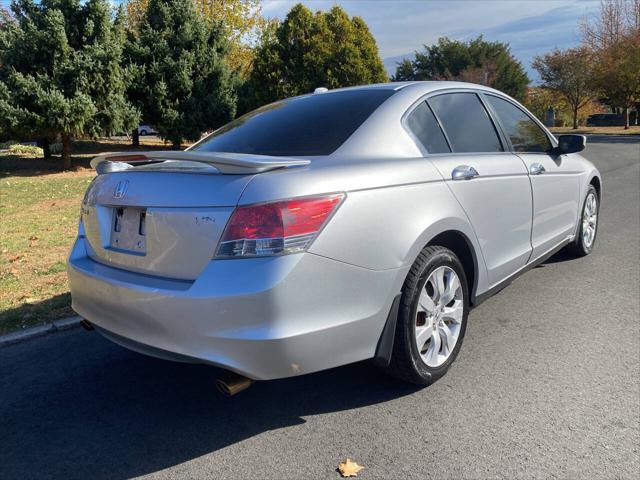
536, 169
464, 172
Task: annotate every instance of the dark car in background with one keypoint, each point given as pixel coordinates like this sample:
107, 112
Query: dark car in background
605, 120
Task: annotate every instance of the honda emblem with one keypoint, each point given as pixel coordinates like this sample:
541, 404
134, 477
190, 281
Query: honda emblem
121, 189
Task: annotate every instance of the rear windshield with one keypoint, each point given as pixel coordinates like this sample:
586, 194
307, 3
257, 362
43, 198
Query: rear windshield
312, 125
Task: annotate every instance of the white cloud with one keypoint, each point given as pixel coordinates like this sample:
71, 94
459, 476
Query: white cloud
404, 25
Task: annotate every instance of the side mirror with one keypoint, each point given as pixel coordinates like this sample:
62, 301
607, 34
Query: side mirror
570, 144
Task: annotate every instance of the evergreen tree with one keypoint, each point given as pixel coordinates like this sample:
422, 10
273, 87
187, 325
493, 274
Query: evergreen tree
182, 83
306, 51
478, 61
242, 21
60, 71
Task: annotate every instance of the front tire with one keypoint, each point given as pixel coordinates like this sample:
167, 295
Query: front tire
432, 318
586, 238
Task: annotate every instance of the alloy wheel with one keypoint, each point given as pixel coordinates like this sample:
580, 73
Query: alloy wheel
589, 220
439, 316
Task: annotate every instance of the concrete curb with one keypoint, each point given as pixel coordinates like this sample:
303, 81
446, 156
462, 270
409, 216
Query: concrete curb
34, 332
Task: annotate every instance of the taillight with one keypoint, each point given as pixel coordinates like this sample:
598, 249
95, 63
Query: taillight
288, 226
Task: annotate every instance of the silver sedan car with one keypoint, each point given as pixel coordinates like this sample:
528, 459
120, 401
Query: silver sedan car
330, 228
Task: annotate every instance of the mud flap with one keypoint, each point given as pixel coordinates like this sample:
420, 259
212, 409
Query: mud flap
385, 343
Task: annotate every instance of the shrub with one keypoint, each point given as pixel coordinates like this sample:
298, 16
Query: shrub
19, 149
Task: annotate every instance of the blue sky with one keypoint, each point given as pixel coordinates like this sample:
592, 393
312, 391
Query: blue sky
401, 26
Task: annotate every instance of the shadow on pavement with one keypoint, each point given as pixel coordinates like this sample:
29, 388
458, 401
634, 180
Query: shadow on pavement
559, 257
75, 406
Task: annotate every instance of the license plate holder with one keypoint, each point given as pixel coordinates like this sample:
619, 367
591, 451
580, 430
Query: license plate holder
128, 230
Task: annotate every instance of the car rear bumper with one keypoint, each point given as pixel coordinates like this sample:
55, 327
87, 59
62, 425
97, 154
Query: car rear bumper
265, 318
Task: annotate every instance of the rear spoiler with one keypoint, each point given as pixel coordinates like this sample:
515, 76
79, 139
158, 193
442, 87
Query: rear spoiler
225, 163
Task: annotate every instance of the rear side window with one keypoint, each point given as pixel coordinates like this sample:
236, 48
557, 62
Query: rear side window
311, 125
525, 134
424, 126
466, 122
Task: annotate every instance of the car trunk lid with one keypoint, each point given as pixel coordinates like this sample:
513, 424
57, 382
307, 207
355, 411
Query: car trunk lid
163, 213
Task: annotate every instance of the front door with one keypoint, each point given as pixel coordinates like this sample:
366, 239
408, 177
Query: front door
554, 179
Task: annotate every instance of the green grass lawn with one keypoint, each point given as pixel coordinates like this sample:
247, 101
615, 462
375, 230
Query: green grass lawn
39, 222
39, 211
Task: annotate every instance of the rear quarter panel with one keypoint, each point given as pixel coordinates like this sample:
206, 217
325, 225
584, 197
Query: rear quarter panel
392, 209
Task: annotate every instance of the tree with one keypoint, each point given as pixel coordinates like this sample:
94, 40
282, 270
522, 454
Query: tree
569, 73
242, 21
307, 50
60, 71
617, 73
477, 61
613, 37
539, 99
182, 85
615, 20
404, 71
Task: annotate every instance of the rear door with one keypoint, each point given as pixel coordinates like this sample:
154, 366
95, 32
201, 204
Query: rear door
554, 179
491, 184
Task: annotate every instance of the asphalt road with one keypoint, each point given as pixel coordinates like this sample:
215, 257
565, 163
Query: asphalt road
547, 385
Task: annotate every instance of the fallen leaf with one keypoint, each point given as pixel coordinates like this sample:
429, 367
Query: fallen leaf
15, 258
349, 468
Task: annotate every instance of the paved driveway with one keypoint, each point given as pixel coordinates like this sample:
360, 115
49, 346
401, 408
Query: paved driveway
546, 385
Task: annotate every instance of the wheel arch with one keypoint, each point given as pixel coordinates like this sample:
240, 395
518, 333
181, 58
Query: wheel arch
596, 180
597, 184
449, 232
461, 245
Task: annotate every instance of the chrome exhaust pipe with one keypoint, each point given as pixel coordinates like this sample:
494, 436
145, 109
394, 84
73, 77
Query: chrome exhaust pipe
86, 324
233, 383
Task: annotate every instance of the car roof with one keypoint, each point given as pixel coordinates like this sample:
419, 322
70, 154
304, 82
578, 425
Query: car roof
383, 133
421, 87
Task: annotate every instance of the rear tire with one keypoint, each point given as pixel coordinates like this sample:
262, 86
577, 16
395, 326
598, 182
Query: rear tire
588, 229
432, 318
143, 133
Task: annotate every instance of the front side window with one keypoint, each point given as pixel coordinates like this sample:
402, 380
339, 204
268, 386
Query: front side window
303, 126
525, 134
466, 122
424, 126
